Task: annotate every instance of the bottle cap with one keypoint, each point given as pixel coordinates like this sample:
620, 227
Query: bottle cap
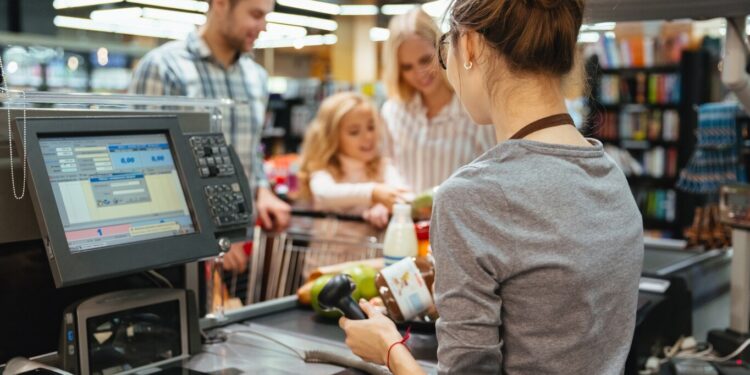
402, 209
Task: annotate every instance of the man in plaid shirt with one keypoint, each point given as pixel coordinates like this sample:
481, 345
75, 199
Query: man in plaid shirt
214, 62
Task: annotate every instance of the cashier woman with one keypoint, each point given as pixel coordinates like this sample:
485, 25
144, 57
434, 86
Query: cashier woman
538, 242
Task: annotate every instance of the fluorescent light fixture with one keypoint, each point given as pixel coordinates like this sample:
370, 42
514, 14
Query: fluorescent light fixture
189, 5
154, 29
285, 30
436, 8
396, 9
588, 37
602, 26
379, 34
311, 5
174, 16
293, 19
359, 10
119, 14
305, 41
63, 4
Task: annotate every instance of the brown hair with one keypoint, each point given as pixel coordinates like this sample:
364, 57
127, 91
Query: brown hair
533, 36
232, 3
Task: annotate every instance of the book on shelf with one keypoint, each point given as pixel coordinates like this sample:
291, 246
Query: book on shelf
642, 88
658, 204
638, 124
637, 51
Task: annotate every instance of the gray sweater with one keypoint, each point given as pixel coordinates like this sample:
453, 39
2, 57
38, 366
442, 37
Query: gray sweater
538, 252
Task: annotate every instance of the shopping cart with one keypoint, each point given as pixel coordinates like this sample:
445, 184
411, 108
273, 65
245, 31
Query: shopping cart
279, 263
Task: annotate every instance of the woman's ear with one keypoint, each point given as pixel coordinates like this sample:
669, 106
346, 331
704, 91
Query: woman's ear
468, 48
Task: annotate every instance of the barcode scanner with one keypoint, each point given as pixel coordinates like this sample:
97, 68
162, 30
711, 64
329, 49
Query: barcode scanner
337, 294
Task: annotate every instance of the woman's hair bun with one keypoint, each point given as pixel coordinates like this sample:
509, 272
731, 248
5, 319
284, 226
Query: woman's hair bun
545, 4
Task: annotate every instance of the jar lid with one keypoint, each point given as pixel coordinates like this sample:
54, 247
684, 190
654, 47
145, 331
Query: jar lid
423, 230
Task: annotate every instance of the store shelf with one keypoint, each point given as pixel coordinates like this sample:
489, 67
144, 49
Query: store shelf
659, 224
663, 182
636, 106
650, 69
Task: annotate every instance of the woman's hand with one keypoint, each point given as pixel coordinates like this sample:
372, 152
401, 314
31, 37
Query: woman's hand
377, 216
370, 338
387, 195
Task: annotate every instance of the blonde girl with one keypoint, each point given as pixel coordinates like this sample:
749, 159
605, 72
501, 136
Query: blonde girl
342, 169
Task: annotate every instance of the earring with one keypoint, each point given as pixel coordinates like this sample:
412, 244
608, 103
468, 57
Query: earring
468, 65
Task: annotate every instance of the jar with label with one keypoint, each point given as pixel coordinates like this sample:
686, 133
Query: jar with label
406, 287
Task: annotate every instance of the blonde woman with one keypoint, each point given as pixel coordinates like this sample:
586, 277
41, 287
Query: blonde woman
429, 134
342, 170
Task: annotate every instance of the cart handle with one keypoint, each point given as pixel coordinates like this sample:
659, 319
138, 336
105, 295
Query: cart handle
326, 215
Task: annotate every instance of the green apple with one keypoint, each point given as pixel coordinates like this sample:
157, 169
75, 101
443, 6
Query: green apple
364, 277
318, 285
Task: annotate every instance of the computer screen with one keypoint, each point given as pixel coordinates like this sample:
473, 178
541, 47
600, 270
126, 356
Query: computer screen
115, 189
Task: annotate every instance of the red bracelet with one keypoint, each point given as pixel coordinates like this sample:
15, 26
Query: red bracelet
402, 342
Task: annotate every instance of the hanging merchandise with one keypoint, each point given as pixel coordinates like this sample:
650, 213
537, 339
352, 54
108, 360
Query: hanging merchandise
707, 229
716, 158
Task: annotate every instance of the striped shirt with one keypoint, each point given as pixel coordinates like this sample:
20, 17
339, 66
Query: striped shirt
187, 68
427, 151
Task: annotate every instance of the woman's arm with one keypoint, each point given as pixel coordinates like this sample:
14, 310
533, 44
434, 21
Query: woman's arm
330, 194
370, 339
467, 245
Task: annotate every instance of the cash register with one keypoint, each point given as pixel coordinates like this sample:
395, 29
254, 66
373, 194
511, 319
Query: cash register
121, 195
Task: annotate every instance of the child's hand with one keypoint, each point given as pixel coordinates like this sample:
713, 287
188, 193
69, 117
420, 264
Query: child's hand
387, 195
377, 215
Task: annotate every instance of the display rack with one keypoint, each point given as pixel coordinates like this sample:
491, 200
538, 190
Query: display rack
651, 113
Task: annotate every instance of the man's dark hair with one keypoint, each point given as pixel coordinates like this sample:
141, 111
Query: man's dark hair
232, 3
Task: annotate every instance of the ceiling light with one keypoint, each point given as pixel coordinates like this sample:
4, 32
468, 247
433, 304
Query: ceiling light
358, 10
154, 29
63, 4
602, 26
189, 5
588, 37
73, 63
175, 16
293, 19
120, 14
284, 30
379, 34
396, 9
309, 40
311, 5
12, 67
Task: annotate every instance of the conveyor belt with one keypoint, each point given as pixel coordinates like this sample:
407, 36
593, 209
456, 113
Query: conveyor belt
254, 345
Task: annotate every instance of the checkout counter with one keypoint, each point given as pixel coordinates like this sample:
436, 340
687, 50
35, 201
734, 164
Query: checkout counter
118, 187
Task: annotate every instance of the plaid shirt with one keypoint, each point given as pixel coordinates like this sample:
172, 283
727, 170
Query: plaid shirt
187, 68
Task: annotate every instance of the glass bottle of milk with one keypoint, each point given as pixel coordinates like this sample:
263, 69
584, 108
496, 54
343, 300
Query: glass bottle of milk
400, 237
